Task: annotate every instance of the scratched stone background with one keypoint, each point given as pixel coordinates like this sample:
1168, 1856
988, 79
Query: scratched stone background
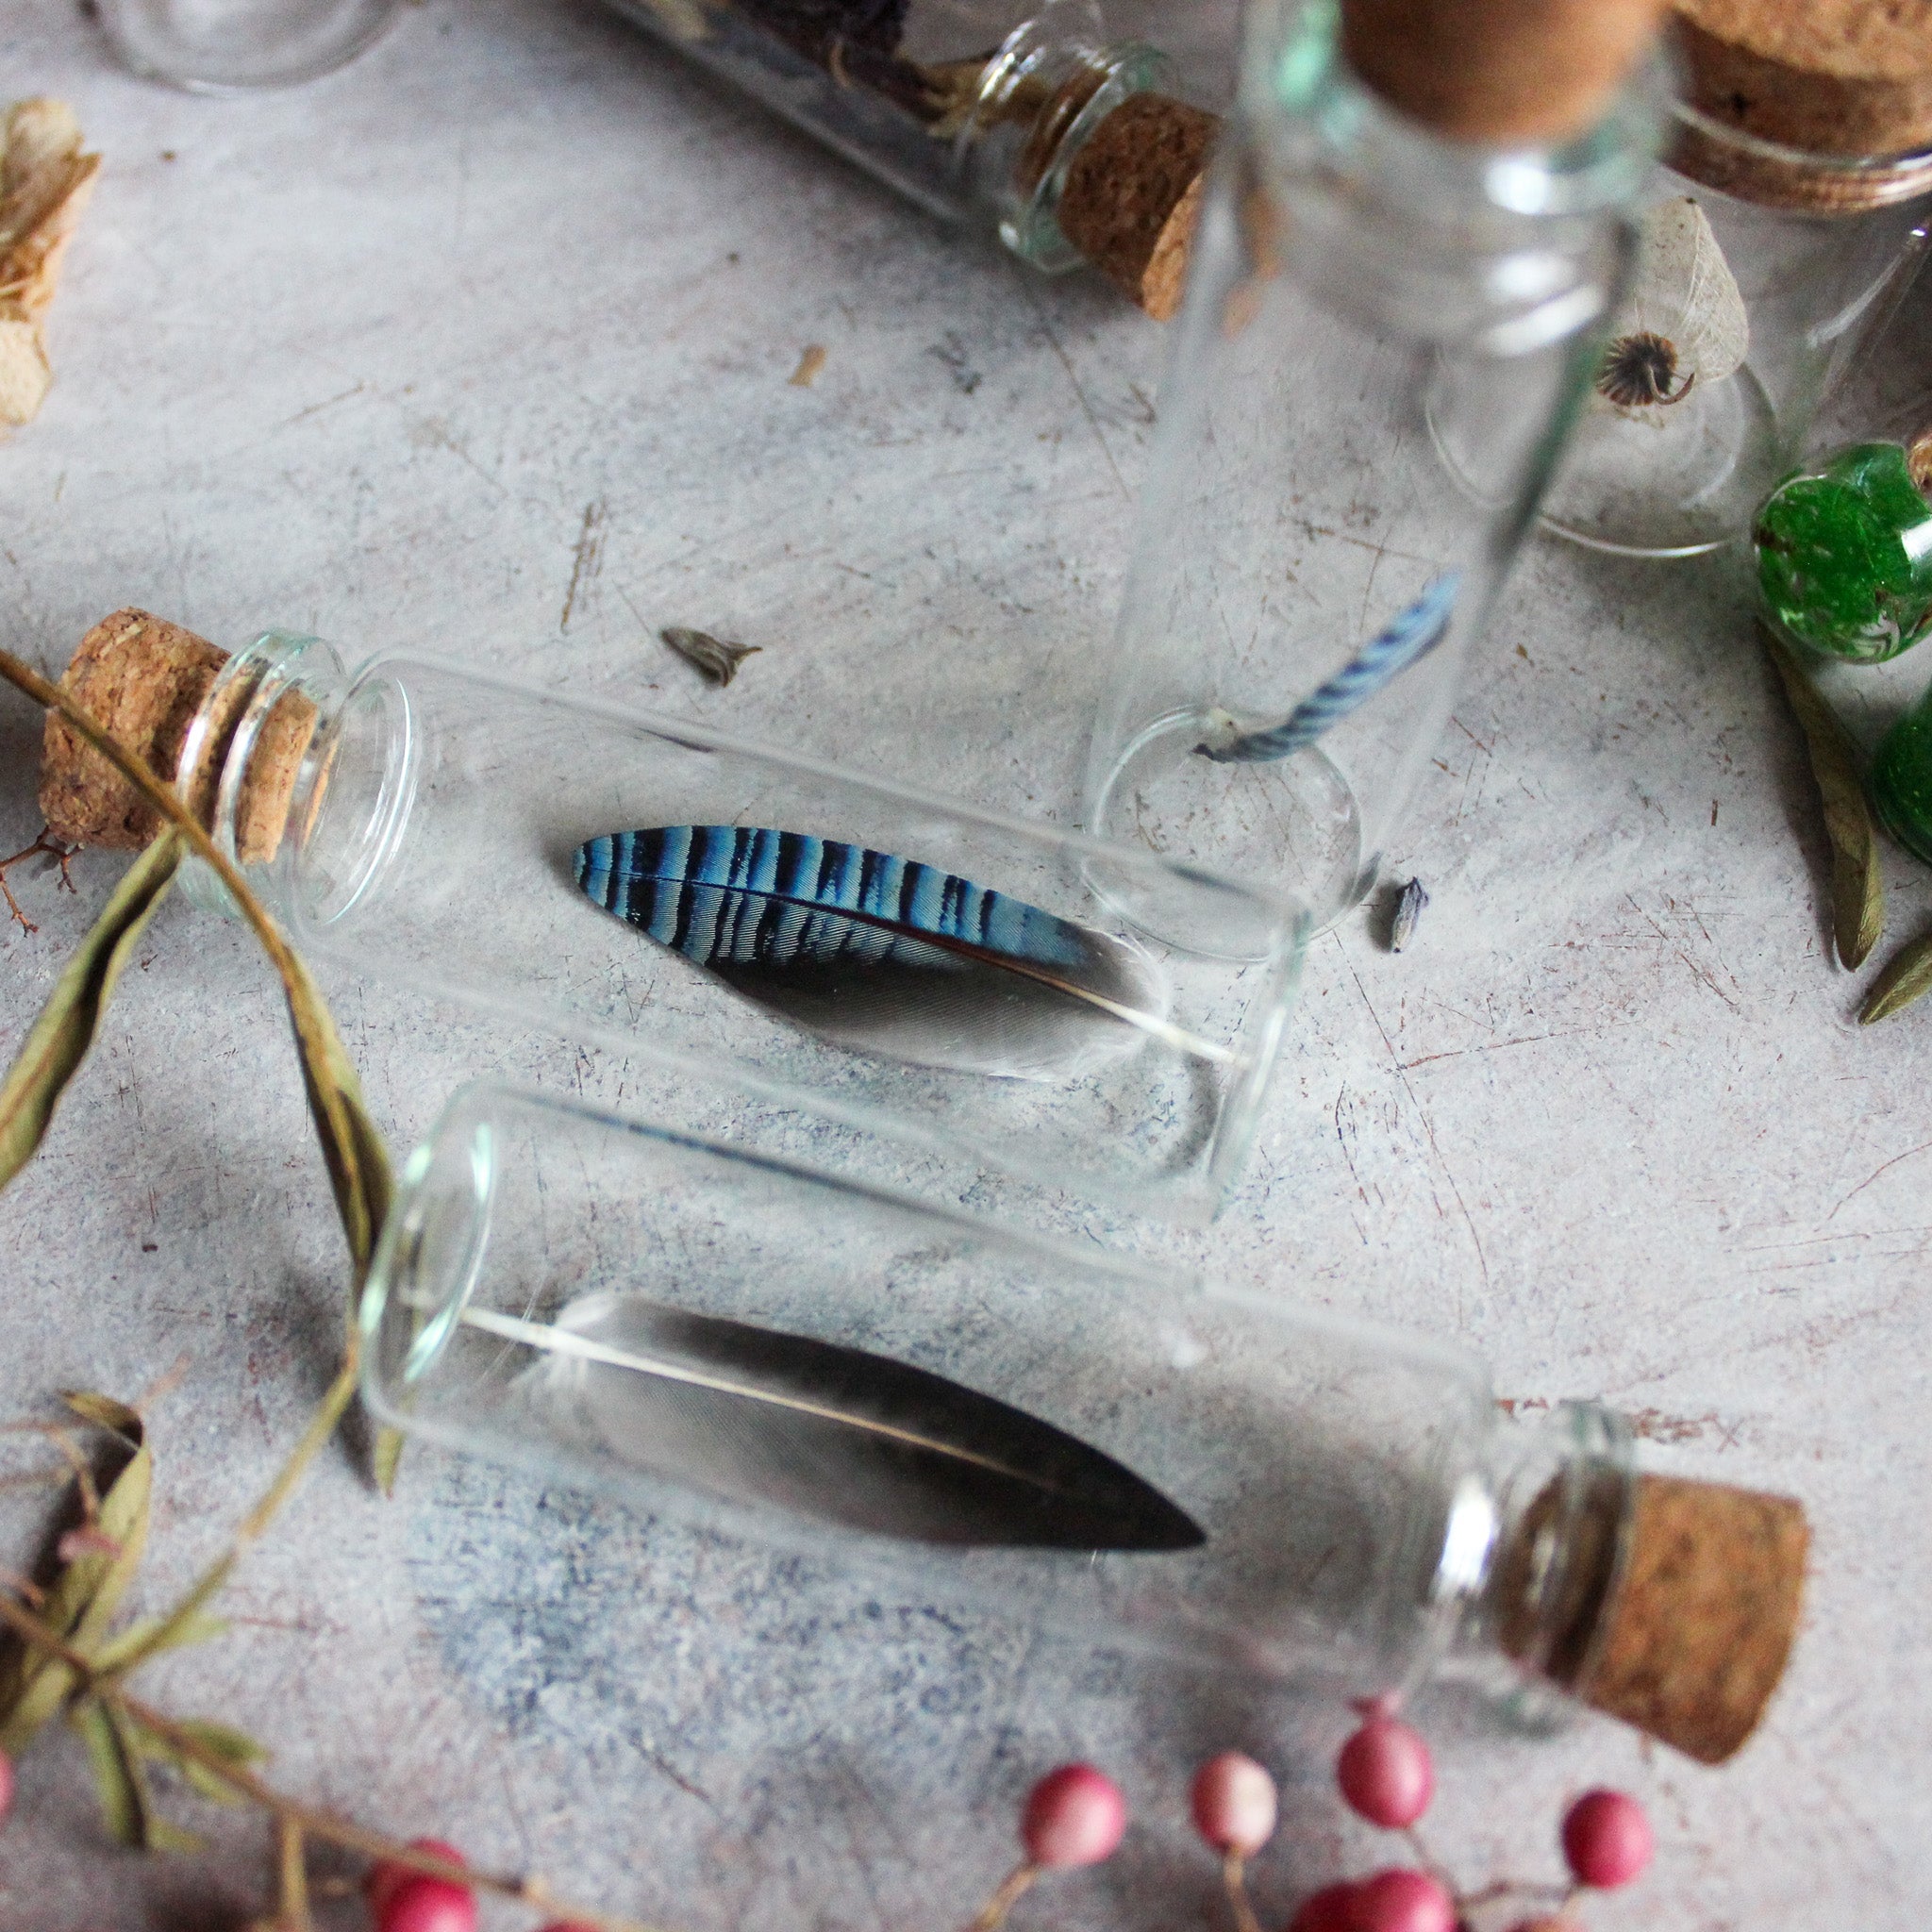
369, 358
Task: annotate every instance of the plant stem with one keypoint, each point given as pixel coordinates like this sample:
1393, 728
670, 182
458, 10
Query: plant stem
290, 1813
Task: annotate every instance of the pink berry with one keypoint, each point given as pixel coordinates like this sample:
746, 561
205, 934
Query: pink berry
1331, 1909
386, 1876
6, 1786
428, 1904
1234, 1804
1073, 1816
1401, 1901
1607, 1838
1385, 1774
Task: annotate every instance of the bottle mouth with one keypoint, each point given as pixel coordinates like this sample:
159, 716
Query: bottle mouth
429, 1260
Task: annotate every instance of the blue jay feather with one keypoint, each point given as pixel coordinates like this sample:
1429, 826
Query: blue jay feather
1409, 635
882, 954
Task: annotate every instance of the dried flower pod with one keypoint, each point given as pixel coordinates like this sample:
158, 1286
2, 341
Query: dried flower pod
1684, 321
715, 660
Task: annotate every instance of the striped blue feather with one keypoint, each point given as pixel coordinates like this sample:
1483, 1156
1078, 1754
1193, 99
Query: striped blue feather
884, 954
1408, 638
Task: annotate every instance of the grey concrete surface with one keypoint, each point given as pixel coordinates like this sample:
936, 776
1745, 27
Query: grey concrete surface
359, 357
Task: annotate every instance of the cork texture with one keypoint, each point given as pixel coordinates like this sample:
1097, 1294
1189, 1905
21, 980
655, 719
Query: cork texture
1133, 193
1697, 1632
144, 680
1498, 71
1840, 77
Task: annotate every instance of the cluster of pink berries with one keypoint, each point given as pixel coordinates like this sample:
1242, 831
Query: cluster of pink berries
402, 1899
1075, 1816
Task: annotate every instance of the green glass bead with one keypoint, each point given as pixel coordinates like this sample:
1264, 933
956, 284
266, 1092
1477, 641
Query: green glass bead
1902, 780
1844, 557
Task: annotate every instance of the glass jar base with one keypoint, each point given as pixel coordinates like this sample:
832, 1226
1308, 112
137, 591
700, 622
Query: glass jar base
1674, 479
231, 46
1292, 824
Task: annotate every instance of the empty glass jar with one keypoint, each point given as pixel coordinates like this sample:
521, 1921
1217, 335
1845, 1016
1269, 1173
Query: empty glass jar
226, 46
1386, 334
1126, 1453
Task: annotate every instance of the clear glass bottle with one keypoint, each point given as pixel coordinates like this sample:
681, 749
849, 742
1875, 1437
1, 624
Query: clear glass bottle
1386, 331
229, 46
1330, 1500
442, 828
1763, 271
1038, 124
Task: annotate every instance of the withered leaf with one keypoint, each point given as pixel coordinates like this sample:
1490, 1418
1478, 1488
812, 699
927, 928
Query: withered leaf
87, 1593
714, 658
115, 1747
1858, 890
220, 1740
60, 1039
1907, 977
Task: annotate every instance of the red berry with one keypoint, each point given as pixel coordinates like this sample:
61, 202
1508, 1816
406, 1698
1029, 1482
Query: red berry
1073, 1816
1385, 1774
6, 1786
1607, 1838
1401, 1901
1234, 1804
386, 1875
1331, 1909
423, 1904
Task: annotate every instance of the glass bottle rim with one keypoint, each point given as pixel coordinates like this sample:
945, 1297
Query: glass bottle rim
1718, 153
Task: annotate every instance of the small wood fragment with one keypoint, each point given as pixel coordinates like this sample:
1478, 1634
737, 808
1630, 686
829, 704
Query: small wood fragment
44, 183
809, 363
1857, 889
1907, 977
714, 658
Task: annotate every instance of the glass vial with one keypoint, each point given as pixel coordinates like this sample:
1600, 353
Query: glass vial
1039, 125
460, 833
1397, 278
229, 46
1285, 1493
1788, 219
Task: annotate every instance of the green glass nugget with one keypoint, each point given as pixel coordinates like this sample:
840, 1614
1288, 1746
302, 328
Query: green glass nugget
1844, 557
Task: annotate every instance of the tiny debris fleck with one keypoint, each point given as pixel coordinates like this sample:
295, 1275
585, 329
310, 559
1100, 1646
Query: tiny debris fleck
715, 660
809, 363
1409, 909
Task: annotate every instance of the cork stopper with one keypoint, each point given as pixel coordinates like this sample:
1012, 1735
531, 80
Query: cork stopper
145, 680
1132, 193
1508, 73
1840, 77
1672, 1604
1696, 1632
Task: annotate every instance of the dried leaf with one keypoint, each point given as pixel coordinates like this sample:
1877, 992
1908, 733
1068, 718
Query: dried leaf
714, 657
1408, 912
811, 360
149, 1636
126, 1807
1858, 890
1907, 977
83, 1600
44, 183
60, 1038
224, 1742
1684, 293
26, 374
388, 1458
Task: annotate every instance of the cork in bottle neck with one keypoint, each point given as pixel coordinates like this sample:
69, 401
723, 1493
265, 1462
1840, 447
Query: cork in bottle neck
236, 736
1502, 73
1668, 1603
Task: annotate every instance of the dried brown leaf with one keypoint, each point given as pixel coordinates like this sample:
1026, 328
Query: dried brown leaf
1907, 977
1857, 889
714, 658
83, 1599
60, 1039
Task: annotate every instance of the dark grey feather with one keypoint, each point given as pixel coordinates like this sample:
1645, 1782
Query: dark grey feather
757, 1416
